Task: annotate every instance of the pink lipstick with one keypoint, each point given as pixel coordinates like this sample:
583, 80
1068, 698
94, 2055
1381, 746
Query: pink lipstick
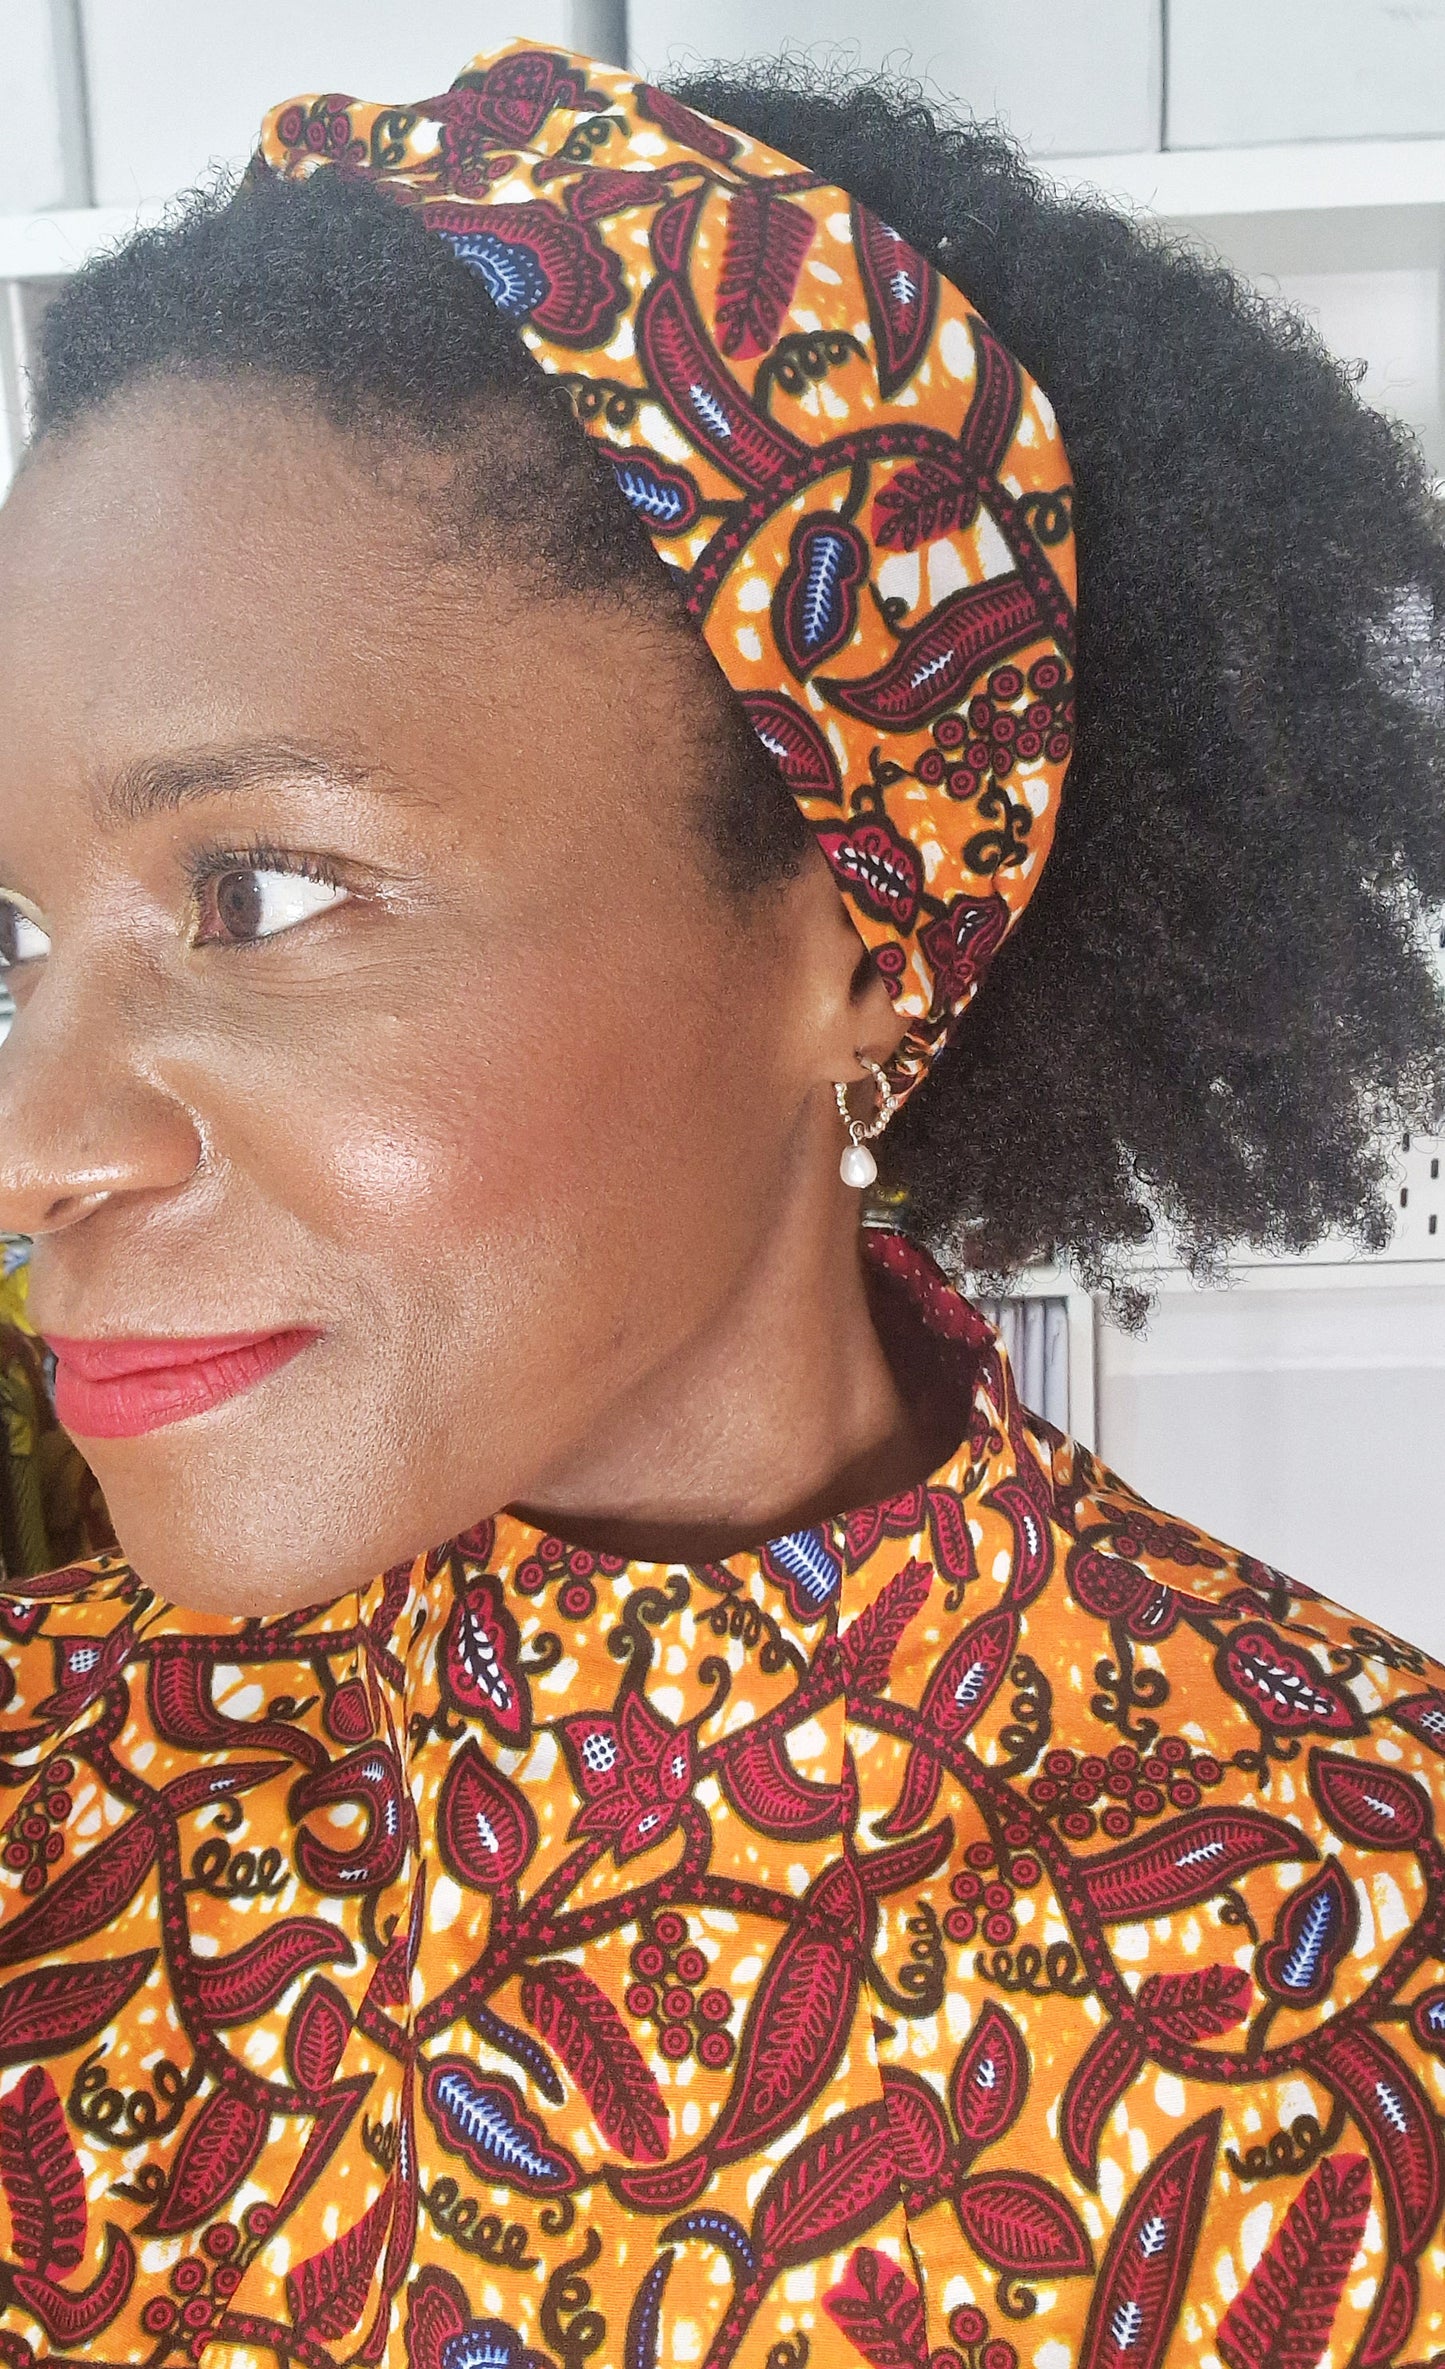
118, 1389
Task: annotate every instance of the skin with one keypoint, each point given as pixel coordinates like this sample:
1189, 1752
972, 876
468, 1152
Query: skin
536, 1124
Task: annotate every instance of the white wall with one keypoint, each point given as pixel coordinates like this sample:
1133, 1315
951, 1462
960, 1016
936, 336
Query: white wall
1302, 1420
174, 86
1066, 77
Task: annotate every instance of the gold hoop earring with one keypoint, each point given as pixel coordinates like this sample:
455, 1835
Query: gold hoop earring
857, 1167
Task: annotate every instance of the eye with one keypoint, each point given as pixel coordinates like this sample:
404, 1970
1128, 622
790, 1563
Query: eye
244, 902
21, 937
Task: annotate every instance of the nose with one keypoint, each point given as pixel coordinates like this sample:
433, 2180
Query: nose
82, 1124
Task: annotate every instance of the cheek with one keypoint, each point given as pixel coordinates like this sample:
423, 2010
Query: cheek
464, 1108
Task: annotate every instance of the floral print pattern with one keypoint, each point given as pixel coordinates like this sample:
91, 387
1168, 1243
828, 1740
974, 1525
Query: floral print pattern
1000, 1926
865, 495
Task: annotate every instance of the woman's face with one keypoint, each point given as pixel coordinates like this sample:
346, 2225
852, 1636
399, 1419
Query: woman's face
389, 999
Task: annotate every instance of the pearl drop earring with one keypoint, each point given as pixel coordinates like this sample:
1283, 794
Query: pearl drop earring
858, 1167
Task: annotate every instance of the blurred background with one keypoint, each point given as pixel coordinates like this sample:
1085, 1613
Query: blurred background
1298, 1410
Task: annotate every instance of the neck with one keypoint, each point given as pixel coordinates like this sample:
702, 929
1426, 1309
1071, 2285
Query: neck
783, 1409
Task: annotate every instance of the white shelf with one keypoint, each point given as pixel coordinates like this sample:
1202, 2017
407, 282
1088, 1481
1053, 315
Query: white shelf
1304, 176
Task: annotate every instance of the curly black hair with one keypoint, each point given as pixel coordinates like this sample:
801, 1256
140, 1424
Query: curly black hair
1219, 1004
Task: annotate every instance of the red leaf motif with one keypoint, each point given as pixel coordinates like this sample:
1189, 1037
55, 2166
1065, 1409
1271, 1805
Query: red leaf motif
666, 2190
1283, 2317
88, 1896
707, 404
178, 1695
1376, 1807
929, 499
906, 1863
1138, 2292
59, 2006
877, 868
1421, 1715
1393, 2315
832, 2187
936, 662
1186, 1860
767, 239
1397, 2121
682, 124
1283, 1686
902, 293
348, 1713
372, 1780
196, 1787
1197, 2006
478, 1661
1033, 1557
44, 2187
952, 1539
868, 1646
916, 1796
74, 2319
1115, 1589
880, 2311
1019, 2223
485, 1823
218, 2150
796, 743
327, 2294
798, 2017
1098, 2081
921, 2144
970, 1674
582, 2025
251, 1979
960, 1690
317, 2036
990, 2079
763, 1786
1314, 1929
993, 413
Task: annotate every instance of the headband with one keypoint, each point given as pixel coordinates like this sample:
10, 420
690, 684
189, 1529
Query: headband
865, 495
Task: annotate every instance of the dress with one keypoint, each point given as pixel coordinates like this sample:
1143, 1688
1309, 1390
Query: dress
1001, 1926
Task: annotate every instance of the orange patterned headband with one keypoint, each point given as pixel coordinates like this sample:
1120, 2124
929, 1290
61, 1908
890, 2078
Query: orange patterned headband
866, 496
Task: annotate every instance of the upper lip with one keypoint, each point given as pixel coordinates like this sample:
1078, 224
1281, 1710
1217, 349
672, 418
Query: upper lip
110, 1359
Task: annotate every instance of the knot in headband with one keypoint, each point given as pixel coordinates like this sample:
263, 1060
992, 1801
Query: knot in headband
866, 496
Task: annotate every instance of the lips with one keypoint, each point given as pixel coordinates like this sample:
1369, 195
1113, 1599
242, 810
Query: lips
119, 1389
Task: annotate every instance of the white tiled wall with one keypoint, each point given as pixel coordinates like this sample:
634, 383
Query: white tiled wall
1066, 76
1242, 71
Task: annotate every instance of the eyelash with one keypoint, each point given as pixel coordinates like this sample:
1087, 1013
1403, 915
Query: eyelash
210, 863
207, 865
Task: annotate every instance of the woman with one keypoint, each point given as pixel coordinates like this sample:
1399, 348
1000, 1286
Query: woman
997, 1923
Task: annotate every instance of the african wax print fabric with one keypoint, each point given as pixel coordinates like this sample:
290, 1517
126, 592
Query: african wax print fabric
865, 495
1000, 1926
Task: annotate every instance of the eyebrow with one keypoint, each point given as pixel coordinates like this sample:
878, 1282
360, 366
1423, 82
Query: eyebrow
162, 784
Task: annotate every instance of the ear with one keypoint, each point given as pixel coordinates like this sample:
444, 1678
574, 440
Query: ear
848, 1010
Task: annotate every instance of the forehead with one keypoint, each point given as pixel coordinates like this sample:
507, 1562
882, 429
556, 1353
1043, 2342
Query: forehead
189, 519
196, 563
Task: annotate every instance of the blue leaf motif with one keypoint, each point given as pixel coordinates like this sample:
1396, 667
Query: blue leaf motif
805, 1563
815, 608
513, 275
484, 2119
